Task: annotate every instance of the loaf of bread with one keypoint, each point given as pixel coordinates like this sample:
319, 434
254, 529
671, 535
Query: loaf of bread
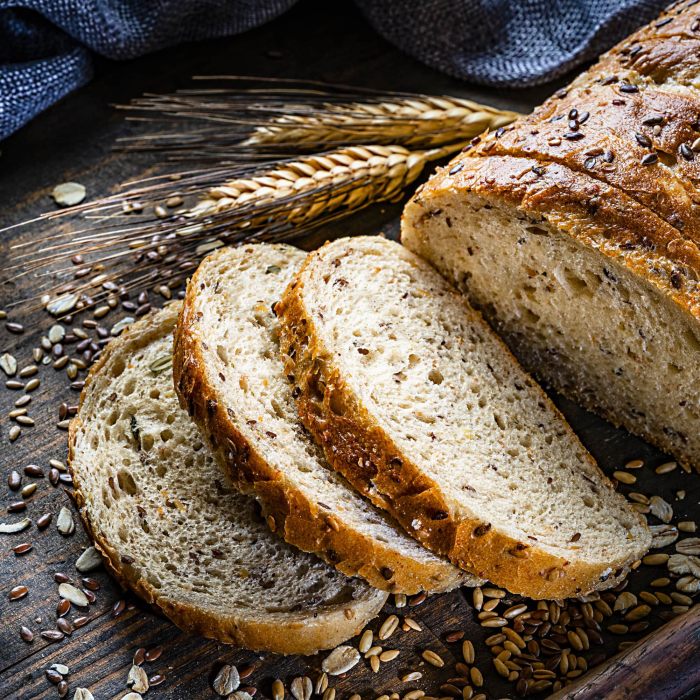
576, 232
230, 376
425, 411
171, 527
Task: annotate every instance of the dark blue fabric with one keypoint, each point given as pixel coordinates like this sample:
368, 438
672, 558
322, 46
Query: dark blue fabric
45, 45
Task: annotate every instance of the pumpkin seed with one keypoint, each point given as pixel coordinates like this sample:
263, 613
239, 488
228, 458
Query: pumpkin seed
227, 680
89, 560
64, 522
68, 194
69, 592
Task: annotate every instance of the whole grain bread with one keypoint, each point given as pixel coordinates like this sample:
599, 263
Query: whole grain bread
425, 411
173, 529
576, 232
230, 376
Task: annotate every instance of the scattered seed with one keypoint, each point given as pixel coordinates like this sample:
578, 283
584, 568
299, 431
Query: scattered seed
365, 641
12, 528
388, 627
227, 680
301, 688
89, 560
44, 521
154, 653
690, 545
18, 592
341, 659
52, 635
14, 432
83, 694
432, 658
666, 467
28, 490
14, 480
15, 328
625, 477
64, 522
23, 548
658, 559
661, 509
412, 676
68, 194
277, 690
8, 364
69, 592
26, 634
32, 384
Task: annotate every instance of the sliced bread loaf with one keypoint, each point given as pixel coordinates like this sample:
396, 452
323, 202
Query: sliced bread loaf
229, 374
425, 411
172, 528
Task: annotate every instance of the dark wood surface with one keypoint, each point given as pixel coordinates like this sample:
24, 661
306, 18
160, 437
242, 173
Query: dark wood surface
74, 141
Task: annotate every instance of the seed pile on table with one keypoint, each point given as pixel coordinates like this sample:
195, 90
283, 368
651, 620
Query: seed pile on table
535, 647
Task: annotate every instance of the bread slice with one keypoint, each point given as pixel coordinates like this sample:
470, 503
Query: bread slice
229, 374
171, 527
425, 411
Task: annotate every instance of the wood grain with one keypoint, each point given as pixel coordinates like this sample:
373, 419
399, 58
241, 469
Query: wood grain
74, 141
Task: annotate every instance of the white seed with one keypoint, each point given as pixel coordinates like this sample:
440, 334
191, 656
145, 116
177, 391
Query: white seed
68, 194
62, 305
412, 676
240, 695
8, 364
12, 528
64, 522
75, 595
302, 688
83, 694
61, 668
132, 696
661, 509
340, 660
227, 680
137, 679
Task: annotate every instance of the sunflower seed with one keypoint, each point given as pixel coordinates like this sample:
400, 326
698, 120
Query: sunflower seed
302, 688
64, 522
56, 333
227, 680
661, 509
89, 560
14, 433
666, 467
32, 384
690, 545
624, 601
83, 694
62, 305
655, 559
8, 364
68, 194
12, 528
73, 594
121, 325
340, 660
137, 679
625, 477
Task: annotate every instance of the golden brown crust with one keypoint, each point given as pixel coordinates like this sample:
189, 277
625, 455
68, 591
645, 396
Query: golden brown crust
627, 130
305, 635
359, 448
287, 510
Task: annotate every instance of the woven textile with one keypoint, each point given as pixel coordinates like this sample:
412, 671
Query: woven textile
45, 45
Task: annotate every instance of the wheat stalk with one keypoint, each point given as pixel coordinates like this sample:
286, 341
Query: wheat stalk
418, 122
265, 204
232, 123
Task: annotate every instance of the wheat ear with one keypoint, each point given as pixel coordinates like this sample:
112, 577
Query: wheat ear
419, 122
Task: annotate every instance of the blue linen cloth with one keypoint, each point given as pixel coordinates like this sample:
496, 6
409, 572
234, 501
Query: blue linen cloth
45, 45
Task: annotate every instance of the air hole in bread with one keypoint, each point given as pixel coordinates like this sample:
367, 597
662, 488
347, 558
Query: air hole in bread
126, 482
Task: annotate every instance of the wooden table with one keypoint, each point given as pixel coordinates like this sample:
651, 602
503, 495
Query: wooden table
74, 141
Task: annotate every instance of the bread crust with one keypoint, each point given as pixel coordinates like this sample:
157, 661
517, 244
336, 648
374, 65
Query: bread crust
359, 448
594, 213
301, 633
287, 510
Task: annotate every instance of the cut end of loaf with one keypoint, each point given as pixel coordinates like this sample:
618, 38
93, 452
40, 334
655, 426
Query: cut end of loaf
424, 410
173, 529
230, 375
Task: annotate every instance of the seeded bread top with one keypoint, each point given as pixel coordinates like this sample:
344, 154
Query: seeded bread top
174, 529
230, 375
423, 409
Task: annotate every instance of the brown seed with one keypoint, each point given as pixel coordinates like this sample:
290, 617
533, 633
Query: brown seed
92, 585
52, 635
26, 634
28, 490
18, 592
246, 671
454, 636
44, 521
468, 652
156, 680
53, 676
23, 548
62, 608
62, 689
81, 621
64, 626
34, 471
14, 480
139, 656
118, 608
625, 477
388, 627
154, 653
